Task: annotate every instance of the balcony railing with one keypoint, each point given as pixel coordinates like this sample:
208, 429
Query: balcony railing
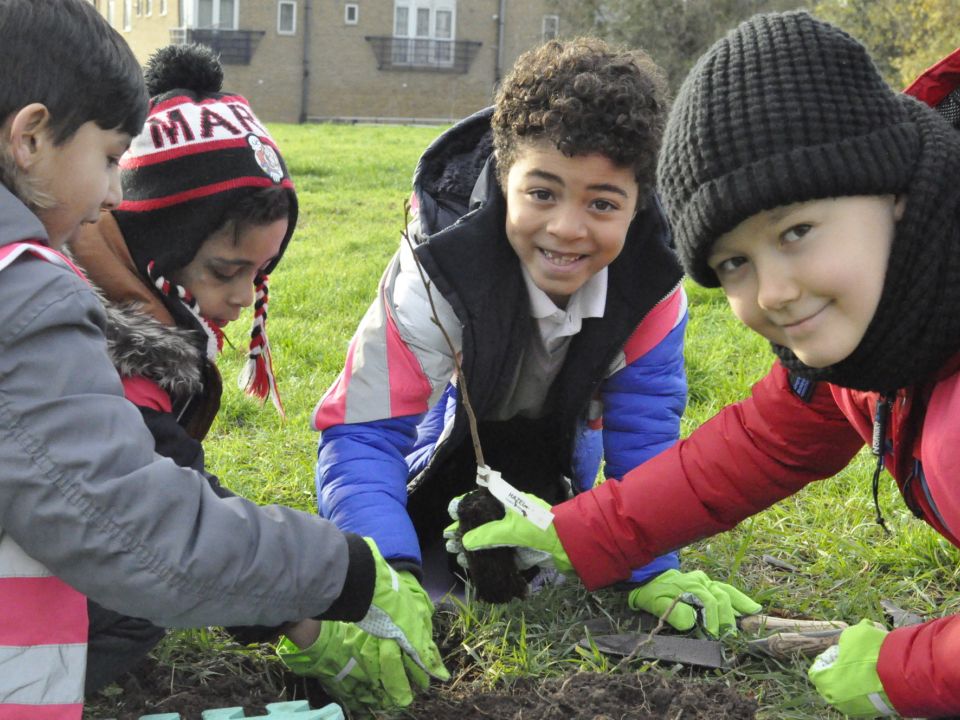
235, 47
395, 53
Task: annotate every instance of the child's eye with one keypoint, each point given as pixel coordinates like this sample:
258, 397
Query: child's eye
113, 160
604, 205
221, 276
795, 233
541, 195
729, 265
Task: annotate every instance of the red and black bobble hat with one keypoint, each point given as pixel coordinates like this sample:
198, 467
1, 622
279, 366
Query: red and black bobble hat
200, 152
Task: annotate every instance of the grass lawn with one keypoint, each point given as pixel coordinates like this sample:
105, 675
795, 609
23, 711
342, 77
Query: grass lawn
352, 182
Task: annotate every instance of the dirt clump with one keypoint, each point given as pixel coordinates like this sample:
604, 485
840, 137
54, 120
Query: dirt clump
594, 696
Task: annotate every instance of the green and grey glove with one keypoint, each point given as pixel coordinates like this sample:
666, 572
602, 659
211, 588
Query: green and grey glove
720, 604
846, 673
360, 671
401, 611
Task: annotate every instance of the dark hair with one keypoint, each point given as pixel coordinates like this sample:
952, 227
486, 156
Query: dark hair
583, 96
64, 54
261, 207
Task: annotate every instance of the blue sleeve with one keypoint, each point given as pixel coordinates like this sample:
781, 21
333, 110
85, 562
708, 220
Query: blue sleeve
362, 482
643, 404
642, 407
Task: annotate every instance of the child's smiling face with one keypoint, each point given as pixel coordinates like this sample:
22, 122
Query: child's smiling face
809, 276
567, 217
221, 275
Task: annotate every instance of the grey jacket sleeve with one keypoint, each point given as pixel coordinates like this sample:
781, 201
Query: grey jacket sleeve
83, 492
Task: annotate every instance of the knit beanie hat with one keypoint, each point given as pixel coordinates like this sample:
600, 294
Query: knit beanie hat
200, 153
788, 109
783, 109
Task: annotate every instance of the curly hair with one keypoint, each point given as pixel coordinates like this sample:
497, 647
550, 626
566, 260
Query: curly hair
583, 96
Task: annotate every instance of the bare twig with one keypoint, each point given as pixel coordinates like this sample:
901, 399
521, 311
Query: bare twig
462, 380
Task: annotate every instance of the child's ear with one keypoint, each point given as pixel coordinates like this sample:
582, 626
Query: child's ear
28, 133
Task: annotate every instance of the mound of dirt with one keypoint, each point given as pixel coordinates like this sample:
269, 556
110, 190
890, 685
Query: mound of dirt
154, 688
594, 696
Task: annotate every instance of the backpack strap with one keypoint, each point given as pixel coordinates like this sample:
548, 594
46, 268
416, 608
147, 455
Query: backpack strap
939, 87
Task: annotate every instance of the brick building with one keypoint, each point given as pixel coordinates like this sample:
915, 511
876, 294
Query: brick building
368, 60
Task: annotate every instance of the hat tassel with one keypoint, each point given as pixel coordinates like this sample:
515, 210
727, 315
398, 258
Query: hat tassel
256, 377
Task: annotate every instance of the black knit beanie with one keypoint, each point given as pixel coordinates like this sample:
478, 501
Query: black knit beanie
201, 152
786, 109
783, 109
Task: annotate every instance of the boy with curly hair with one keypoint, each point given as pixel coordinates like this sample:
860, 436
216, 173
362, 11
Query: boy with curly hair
549, 266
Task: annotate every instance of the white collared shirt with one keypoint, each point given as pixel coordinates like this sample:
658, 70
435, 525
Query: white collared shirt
546, 348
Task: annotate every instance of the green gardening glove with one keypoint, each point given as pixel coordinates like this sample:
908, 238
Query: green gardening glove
846, 674
401, 611
362, 672
720, 604
534, 545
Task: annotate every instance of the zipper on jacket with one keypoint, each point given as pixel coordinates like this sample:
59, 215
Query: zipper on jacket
881, 417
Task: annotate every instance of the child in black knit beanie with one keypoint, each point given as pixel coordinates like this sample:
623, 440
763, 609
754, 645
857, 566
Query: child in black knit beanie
827, 207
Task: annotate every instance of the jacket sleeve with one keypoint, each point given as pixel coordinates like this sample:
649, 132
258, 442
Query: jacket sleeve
644, 401
919, 670
744, 459
398, 366
173, 441
362, 483
83, 492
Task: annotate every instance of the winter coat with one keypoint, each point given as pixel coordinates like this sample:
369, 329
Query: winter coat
393, 423
83, 495
763, 449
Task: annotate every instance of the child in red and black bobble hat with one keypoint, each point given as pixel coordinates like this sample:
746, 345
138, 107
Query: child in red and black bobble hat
208, 209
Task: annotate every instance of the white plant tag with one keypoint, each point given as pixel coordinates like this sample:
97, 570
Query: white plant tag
512, 498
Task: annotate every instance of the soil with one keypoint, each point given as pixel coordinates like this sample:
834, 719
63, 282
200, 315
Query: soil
154, 688
594, 696
493, 573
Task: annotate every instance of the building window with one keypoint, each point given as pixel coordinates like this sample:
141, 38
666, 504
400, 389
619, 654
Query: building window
286, 17
351, 13
423, 32
218, 14
163, 7
112, 12
147, 7
551, 27
127, 14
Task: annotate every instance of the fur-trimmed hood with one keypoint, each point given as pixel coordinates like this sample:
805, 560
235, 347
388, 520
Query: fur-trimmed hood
140, 345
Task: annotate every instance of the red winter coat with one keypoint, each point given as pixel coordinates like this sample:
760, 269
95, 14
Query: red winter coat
763, 449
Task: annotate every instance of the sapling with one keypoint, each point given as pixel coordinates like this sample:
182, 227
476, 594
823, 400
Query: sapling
493, 573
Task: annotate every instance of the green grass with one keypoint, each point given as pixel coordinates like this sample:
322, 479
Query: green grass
352, 182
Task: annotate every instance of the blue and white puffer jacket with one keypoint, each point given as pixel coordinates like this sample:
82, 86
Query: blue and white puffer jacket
394, 415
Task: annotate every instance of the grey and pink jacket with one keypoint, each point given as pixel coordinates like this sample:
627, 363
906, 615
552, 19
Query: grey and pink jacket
87, 508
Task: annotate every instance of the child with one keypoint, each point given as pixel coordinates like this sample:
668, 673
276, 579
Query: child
169, 294
87, 509
826, 206
548, 261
